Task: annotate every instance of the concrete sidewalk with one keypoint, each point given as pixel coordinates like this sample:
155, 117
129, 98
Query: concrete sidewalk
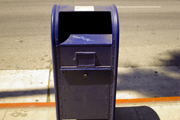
145, 111
19, 86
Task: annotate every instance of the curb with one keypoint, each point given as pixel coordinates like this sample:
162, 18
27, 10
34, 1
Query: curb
118, 101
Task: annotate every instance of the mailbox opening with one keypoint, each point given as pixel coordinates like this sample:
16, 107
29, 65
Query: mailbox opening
83, 23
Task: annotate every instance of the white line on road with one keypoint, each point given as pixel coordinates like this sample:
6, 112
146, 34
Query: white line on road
138, 6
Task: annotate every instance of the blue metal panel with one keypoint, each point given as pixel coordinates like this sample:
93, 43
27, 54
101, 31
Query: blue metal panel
67, 8
78, 39
115, 38
54, 53
81, 85
56, 24
103, 54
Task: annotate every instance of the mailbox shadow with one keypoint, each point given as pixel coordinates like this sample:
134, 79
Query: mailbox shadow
135, 113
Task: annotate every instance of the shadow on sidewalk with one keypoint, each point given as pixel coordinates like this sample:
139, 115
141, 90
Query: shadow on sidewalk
135, 113
24, 92
174, 58
154, 81
148, 82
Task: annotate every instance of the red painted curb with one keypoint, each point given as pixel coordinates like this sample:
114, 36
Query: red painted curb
142, 100
118, 101
38, 104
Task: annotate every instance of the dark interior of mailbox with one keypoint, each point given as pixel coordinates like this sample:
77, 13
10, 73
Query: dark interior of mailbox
83, 23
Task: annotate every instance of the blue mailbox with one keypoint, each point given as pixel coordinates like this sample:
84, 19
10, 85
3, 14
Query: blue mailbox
85, 43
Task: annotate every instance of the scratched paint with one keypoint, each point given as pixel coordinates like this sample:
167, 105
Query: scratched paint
82, 37
88, 39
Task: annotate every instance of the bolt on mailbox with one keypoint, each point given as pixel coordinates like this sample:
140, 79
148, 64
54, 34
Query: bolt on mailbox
85, 43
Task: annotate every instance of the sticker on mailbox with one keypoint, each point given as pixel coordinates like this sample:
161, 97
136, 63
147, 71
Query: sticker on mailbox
84, 8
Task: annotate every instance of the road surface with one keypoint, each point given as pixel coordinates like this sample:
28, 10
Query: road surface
149, 32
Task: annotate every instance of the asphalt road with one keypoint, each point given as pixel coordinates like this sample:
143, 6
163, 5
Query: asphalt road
149, 32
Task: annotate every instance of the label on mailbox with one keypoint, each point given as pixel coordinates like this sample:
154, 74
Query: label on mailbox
84, 8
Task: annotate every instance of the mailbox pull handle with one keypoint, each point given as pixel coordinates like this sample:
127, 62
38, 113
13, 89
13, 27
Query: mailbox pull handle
85, 59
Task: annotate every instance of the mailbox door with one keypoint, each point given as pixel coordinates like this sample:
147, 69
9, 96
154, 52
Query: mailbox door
85, 94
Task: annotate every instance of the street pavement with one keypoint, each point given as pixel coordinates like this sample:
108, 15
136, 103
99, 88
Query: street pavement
149, 32
149, 55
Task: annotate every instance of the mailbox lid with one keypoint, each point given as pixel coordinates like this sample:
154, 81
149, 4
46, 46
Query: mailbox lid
83, 39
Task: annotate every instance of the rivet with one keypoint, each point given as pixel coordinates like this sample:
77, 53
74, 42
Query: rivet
56, 45
64, 114
106, 86
105, 113
85, 75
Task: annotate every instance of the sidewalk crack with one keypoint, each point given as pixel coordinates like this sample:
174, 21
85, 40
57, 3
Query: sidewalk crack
137, 113
4, 114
